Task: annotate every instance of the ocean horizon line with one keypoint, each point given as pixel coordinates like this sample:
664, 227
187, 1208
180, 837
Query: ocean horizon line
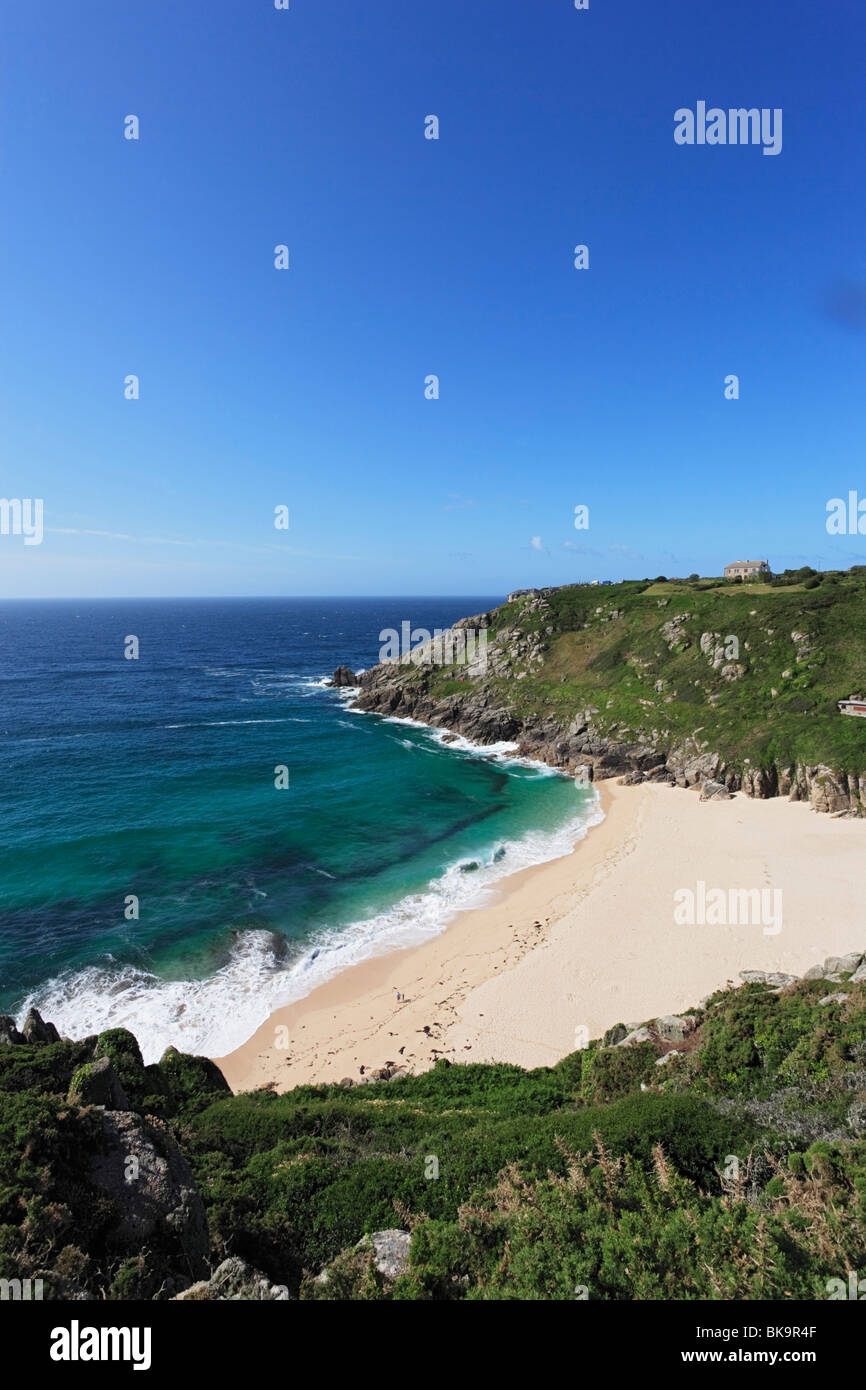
232, 598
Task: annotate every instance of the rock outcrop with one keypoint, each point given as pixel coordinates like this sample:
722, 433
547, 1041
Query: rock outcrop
97, 1083
150, 1187
715, 791
233, 1281
36, 1030
390, 1252
9, 1035
773, 979
676, 1034
835, 967
109, 1161
577, 745
385, 1252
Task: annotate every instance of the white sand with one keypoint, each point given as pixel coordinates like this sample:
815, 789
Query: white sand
582, 943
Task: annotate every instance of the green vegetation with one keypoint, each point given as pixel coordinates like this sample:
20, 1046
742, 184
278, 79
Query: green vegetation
631, 657
735, 1170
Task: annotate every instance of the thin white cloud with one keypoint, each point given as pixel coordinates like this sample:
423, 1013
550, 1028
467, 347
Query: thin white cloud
168, 540
81, 531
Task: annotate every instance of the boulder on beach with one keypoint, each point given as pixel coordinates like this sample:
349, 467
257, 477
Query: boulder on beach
715, 791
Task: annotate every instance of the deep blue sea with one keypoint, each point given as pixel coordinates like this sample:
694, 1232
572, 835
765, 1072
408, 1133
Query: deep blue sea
154, 779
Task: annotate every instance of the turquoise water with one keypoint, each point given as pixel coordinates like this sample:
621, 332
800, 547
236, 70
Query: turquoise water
156, 778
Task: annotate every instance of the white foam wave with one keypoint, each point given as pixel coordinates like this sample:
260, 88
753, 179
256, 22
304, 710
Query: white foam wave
504, 752
215, 1015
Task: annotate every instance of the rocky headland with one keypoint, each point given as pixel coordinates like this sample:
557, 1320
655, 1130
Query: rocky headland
555, 662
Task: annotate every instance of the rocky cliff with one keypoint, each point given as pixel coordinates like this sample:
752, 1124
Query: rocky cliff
733, 689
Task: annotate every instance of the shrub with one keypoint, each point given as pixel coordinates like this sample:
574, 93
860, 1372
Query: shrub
122, 1049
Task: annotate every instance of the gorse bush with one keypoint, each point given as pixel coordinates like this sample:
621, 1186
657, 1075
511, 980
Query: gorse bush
738, 1170
617, 1228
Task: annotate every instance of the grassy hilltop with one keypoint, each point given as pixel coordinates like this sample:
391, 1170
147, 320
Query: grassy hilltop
739, 679
734, 1168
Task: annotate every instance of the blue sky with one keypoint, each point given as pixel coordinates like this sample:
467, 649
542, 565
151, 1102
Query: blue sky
305, 387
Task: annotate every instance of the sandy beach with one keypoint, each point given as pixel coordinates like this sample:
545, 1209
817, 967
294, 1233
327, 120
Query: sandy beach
562, 951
